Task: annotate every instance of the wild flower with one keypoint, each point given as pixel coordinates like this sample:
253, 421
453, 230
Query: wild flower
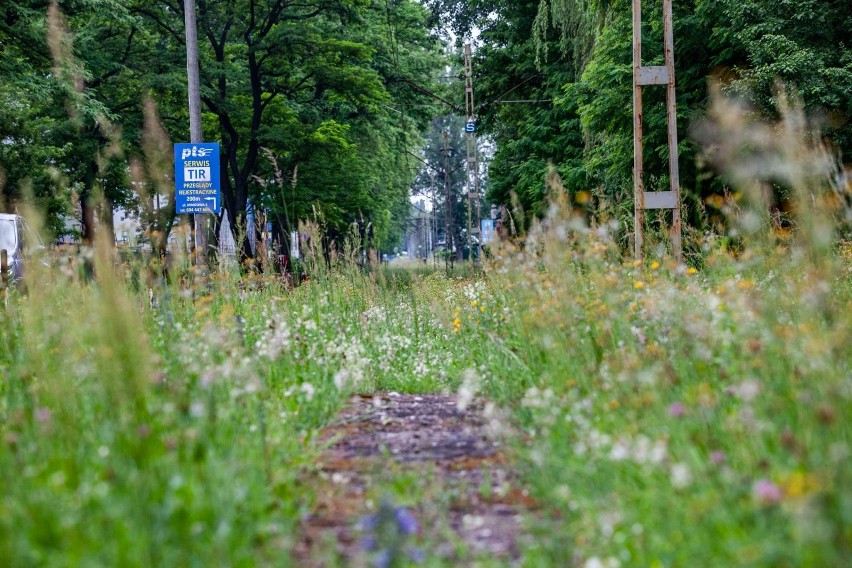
641, 450
468, 390
309, 390
386, 534
680, 475
43, 415
342, 378
799, 484
595, 562
766, 492
746, 391
536, 398
677, 409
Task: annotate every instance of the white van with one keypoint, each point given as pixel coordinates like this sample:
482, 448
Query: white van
18, 242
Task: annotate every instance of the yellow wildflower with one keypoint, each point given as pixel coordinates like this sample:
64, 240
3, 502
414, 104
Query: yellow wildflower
638, 284
799, 484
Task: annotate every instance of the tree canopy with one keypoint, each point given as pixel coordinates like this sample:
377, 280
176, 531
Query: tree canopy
569, 64
318, 104
301, 95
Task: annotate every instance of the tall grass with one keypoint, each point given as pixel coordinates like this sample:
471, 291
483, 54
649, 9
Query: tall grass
171, 426
675, 416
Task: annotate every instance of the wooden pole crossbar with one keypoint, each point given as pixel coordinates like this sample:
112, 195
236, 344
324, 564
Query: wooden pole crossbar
647, 76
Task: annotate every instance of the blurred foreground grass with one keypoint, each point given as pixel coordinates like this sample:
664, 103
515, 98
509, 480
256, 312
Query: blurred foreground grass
170, 429
670, 417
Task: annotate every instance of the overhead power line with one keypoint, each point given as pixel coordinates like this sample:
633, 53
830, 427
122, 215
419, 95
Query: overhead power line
426, 91
516, 87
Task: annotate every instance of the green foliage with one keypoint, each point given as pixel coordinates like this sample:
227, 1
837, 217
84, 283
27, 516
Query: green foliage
273, 84
583, 62
806, 45
671, 415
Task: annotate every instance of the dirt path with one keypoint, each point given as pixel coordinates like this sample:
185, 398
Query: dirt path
436, 471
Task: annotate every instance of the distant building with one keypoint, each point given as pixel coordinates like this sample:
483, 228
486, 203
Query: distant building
420, 237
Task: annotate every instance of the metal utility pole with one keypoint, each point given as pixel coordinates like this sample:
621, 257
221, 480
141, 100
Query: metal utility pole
448, 210
473, 202
655, 75
198, 223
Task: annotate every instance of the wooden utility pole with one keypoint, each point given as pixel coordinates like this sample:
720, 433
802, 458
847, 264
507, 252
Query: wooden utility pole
448, 209
645, 76
198, 223
473, 202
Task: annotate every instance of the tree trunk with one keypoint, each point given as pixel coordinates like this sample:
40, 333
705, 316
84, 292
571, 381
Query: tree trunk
87, 206
108, 218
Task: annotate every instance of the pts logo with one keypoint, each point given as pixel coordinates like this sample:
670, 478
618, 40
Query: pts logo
195, 152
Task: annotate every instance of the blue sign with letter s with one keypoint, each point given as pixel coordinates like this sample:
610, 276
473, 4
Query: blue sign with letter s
197, 183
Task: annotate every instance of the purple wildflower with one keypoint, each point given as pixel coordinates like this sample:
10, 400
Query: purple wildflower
369, 543
43, 415
416, 555
717, 457
767, 492
677, 410
386, 533
405, 521
383, 559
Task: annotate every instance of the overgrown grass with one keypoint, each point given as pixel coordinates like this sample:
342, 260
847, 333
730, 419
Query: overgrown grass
675, 418
172, 429
669, 416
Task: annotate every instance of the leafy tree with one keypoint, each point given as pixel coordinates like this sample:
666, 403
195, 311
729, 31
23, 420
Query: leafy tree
519, 79
805, 44
583, 62
443, 170
74, 76
308, 82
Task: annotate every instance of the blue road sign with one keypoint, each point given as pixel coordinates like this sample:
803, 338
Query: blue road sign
197, 183
470, 126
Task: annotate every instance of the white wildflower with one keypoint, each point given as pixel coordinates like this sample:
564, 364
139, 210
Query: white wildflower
342, 378
468, 389
680, 475
309, 391
620, 451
